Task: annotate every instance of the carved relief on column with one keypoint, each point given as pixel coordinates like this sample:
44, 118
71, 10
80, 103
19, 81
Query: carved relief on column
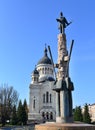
62, 51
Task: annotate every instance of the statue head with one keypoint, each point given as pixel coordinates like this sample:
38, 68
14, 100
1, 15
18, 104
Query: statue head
61, 14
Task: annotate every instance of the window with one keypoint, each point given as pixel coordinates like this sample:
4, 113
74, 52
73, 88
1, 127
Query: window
43, 98
50, 98
47, 97
42, 70
34, 103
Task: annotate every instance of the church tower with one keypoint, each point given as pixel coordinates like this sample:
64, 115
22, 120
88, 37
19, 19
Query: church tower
35, 76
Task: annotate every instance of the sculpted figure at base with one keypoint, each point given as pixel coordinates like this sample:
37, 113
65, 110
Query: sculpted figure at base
64, 88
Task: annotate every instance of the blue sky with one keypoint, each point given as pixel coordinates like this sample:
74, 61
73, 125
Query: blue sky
25, 27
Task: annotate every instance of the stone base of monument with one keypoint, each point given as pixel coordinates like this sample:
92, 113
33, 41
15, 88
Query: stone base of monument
64, 126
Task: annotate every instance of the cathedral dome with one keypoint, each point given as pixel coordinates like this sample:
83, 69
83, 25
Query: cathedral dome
45, 59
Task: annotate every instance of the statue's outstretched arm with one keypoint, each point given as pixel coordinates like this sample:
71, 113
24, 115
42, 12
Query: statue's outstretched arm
65, 20
58, 20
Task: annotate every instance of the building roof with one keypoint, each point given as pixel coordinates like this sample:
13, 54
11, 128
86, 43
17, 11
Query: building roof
45, 59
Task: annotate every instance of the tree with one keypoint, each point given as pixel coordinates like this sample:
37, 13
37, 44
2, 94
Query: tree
19, 113
86, 115
8, 98
24, 116
22, 113
25, 111
78, 114
14, 116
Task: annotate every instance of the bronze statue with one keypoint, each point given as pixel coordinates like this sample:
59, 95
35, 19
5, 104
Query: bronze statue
63, 23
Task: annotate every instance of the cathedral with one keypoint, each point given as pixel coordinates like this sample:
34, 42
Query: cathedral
42, 101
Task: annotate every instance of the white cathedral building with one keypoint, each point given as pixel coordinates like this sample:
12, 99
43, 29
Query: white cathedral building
42, 103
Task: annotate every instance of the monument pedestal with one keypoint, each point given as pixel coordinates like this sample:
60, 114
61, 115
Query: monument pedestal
62, 120
64, 126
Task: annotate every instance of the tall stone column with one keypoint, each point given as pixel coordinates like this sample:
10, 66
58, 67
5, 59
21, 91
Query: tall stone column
62, 52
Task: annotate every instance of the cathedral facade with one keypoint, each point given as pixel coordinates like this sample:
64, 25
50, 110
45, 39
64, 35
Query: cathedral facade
42, 98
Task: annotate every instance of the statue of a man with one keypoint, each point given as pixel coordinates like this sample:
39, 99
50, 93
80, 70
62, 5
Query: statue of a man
63, 23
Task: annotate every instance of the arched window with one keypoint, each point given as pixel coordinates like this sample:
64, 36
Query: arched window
45, 70
43, 98
47, 97
42, 70
34, 103
48, 71
50, 98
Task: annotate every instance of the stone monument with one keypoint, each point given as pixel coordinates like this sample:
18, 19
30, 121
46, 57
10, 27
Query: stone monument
64, 85
63, 88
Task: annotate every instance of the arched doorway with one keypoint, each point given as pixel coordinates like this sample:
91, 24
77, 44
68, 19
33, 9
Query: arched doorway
51, 116
43, 115
47, 116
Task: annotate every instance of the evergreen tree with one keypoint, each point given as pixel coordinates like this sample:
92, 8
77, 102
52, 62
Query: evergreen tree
14, 116
22, 113
25, 108
86, 116
78, 114
19, 113
24, 116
